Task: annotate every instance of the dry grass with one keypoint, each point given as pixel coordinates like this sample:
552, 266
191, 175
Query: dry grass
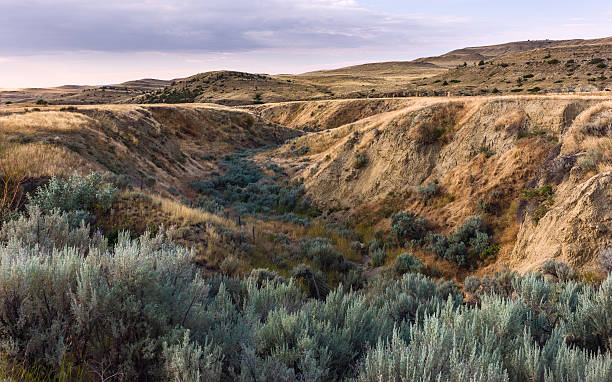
34, 122
589, 133
513, 119
188, 215
39, 159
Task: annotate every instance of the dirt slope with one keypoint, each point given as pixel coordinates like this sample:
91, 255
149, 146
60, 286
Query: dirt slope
484, 152
168, 143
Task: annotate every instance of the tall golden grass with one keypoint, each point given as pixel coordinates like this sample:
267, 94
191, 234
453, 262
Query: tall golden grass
188, 215
34, 122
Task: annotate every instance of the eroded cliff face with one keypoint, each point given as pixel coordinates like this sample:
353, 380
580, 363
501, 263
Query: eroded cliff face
484, 154
574, 230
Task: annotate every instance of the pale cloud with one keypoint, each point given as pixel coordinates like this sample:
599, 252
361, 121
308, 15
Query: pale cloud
53, 42
37, 26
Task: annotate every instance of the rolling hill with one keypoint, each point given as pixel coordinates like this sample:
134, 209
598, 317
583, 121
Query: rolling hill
545, 66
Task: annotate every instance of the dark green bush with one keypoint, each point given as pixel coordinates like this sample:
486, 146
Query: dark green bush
359, 160
465, 246
407, 226
406, 262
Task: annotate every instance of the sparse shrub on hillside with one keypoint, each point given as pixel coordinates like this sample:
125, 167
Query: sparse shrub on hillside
375, 244
590, 160
210, 205
596, 61
257, 99
359, 160
428, 191
486, 150
542, 198
407, 226
229, 266
406, 262
150, 181
554, 61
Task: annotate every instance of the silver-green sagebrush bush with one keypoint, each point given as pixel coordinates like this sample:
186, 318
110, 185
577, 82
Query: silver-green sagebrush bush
142, 311
78, 196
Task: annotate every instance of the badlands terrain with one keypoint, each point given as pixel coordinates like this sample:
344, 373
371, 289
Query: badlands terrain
326, 226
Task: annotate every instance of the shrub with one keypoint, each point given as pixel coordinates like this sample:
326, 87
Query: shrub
408, 226
465, 246
257, 99
559, 270
405, 263
247, 190
188, 361
89, 194
51, 231
142, 311
323, 255
210, 205
486, 151
429, 191
378, 257
313, 280
590, 160
605, 259
359, 160
229, 266
111, 310
542, 198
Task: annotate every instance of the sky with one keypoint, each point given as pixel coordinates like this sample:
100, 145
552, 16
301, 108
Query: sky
56, 42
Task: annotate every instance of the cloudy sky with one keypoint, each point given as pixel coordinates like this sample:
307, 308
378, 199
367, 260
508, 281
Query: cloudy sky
55, 42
